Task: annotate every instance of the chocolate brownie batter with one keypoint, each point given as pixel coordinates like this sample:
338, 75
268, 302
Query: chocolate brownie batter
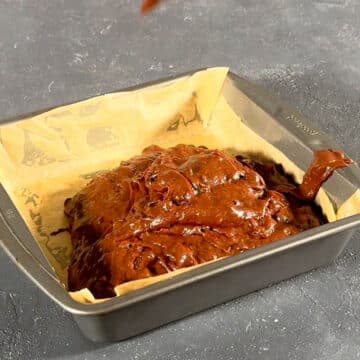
148, 5
172, 208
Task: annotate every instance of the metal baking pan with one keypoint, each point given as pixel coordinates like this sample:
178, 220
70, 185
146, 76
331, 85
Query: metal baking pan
147, 308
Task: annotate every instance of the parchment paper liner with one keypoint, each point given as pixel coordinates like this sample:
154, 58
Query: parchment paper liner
47, 158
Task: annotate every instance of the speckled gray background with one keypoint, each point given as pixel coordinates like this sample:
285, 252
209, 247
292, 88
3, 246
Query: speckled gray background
306, 51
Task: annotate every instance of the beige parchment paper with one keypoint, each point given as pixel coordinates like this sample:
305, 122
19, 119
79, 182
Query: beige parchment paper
48, 158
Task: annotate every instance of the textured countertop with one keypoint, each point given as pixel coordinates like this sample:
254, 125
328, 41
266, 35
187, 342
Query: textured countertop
306, 51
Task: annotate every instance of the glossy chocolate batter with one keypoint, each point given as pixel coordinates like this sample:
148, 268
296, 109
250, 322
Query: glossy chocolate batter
149, 5
172, 208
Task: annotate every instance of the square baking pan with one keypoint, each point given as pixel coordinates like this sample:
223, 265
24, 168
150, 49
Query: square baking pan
214, 283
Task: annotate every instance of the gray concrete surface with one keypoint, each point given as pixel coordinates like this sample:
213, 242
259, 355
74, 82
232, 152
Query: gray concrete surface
306, 51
